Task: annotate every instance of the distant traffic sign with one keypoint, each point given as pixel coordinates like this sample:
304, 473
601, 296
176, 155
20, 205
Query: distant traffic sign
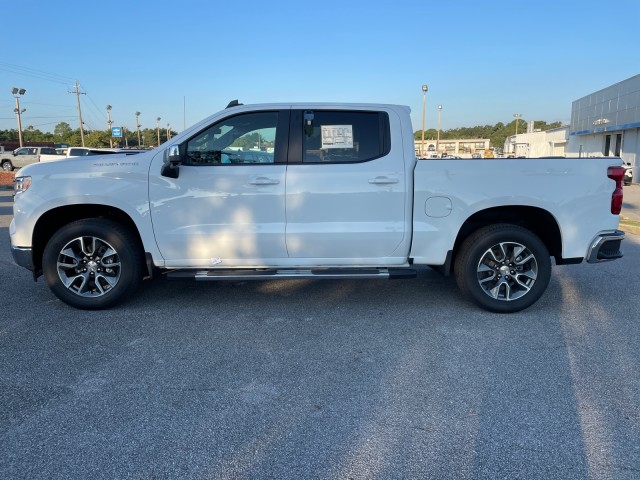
116, 131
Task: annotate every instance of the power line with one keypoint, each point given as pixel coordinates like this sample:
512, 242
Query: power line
101, 116
43, 124
46, 104
55, 116
32, 72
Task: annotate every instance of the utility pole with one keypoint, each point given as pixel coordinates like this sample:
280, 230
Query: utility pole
168, 131
158, 125
78, 93
109, 122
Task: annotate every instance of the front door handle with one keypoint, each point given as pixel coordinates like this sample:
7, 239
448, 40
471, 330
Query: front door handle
383, 181
264, 181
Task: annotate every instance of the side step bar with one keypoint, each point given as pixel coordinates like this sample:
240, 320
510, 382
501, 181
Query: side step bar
322, 273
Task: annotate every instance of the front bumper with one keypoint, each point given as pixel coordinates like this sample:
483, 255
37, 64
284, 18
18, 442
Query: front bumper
605, 247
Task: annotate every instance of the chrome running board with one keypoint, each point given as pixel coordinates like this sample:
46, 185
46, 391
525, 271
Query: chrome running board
275, 274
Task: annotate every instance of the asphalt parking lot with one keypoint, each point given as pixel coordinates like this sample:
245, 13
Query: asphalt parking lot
323, 379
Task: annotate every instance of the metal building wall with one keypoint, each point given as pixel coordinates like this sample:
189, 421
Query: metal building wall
608, 112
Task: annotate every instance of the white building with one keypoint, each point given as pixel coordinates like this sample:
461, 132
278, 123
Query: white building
465, 147
550, 143
607, 123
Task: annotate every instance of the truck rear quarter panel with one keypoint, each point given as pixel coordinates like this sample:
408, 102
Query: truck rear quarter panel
576, 192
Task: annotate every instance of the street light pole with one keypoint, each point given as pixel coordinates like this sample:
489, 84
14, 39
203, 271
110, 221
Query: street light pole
425, 88
515, 140
17, 93
158, 125
517, 116
138, 127
438, 140
109, 123
168, 131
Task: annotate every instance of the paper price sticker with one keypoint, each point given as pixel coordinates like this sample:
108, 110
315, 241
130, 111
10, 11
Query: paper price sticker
337, 136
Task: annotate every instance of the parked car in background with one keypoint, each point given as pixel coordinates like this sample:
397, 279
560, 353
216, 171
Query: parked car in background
476, 155
628, 173
21, 157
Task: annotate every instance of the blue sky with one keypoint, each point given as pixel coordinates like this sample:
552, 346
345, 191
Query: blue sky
483, 61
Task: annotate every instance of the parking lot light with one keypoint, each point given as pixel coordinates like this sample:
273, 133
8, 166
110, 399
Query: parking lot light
17, 93
425, 88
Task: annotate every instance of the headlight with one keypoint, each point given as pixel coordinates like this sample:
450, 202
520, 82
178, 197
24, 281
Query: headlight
21, 184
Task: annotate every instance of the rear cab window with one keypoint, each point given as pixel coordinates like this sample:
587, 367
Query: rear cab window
333, 136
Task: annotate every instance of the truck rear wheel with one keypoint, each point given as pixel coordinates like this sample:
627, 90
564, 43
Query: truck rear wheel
92, 264
503, 268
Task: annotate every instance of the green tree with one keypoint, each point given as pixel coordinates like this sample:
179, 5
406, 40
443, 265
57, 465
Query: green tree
496, 134
97, 139
62, 131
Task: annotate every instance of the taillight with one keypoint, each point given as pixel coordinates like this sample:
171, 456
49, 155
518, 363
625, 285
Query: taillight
617, 174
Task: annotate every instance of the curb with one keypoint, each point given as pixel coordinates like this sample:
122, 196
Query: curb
626, 228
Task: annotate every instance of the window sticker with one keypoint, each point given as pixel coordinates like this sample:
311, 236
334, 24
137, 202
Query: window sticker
337, 136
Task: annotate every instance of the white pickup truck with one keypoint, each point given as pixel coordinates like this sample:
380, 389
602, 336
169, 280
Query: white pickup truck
311, 191
21, 157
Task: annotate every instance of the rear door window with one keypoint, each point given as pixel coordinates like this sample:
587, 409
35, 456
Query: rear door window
344, 136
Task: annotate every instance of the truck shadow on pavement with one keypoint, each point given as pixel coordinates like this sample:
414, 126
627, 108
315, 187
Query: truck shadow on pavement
325, 379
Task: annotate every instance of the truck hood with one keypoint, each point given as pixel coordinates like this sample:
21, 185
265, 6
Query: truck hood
94, 165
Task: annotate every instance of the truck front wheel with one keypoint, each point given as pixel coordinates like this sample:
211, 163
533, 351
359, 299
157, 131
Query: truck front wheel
92, 264
503, 268
7, 166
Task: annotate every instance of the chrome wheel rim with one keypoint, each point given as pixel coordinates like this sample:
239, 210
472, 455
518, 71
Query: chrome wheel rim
507, 271
89, 266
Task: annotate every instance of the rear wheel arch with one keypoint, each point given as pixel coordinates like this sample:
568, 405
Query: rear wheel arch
537, 220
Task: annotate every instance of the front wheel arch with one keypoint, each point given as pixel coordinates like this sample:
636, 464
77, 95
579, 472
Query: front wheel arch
53, 220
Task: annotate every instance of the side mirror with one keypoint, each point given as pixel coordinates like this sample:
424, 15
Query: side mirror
172, 161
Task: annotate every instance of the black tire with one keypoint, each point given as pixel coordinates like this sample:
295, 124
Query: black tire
93, 264
7, 166
503, 268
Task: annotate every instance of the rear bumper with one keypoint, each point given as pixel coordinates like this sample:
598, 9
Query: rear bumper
23, 257
605, 247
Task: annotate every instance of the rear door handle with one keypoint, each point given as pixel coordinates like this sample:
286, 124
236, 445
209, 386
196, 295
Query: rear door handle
264, 181
383, 181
